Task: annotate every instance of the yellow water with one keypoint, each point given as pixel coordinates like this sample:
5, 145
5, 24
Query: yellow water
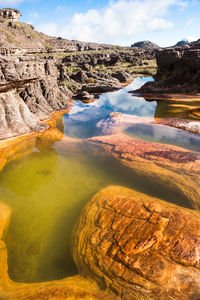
46, 182
46, 191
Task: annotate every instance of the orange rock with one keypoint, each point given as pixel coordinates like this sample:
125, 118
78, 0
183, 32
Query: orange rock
139, 247
170, 167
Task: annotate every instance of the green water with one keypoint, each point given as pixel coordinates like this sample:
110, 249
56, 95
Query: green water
47, 189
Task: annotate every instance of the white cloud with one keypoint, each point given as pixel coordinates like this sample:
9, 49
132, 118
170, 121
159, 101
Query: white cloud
49, 28
60, 8
118, 22
190, 21
191, 38
10, 2
34, 15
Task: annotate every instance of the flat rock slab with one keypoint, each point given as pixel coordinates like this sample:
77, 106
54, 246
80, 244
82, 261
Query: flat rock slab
171, 167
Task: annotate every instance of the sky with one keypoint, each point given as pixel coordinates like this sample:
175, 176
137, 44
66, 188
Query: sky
119, 22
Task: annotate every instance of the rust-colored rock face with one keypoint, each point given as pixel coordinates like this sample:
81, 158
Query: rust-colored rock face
139, 247
167, 166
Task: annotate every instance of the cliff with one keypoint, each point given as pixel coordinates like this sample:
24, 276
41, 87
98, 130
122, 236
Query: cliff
29, 92
178, 70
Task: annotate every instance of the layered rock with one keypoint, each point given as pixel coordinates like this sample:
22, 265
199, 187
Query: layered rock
108, 58
29, 92
173, 168
139, 247
178, 71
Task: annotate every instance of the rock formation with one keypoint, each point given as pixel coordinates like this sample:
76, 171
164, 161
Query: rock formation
139, 247
32, 87
181, 43
175, 169
178, 71
145, 45
29, 92
9, 14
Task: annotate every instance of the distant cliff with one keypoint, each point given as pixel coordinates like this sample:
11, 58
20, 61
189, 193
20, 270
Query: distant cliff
178, 70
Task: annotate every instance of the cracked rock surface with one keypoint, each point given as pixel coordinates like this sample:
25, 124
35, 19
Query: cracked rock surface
171, 167
29, 92
139, 247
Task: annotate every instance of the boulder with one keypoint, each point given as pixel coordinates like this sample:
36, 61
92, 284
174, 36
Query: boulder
122, 76
139, 247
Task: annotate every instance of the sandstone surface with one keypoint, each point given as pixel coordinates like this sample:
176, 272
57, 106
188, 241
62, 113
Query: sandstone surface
139, 247
172, 168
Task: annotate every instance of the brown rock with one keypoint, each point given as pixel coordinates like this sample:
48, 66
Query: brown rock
173, 168
139, 247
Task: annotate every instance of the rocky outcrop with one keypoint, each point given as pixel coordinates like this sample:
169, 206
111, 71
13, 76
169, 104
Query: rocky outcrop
175, 169
9, 14
178, 71
132, 56
184, 124
139, 247
182, 43
29, 92
145, 45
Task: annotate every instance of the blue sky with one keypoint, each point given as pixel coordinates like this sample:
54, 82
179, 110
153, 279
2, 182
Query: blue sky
117, 22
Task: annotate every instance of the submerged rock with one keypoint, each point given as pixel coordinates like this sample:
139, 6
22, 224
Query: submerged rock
139, 247
117, 122
172, 168
185, 124
75, 287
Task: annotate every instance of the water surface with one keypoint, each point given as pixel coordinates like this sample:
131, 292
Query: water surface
48, 187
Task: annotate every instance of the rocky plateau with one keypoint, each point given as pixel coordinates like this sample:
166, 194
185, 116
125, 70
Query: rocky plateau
126, 244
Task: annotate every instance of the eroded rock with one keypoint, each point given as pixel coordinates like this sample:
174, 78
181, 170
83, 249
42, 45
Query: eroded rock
139, 247
173, 168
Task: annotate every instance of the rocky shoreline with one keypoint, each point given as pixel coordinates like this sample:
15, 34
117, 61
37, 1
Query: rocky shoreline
125, 244
32, 87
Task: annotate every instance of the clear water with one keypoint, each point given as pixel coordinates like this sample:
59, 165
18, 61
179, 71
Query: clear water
82, 119
165, 135
48, 187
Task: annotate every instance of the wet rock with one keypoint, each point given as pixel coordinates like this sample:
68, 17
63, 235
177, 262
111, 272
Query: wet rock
85, 97
174, 168
139, 247
185, 124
